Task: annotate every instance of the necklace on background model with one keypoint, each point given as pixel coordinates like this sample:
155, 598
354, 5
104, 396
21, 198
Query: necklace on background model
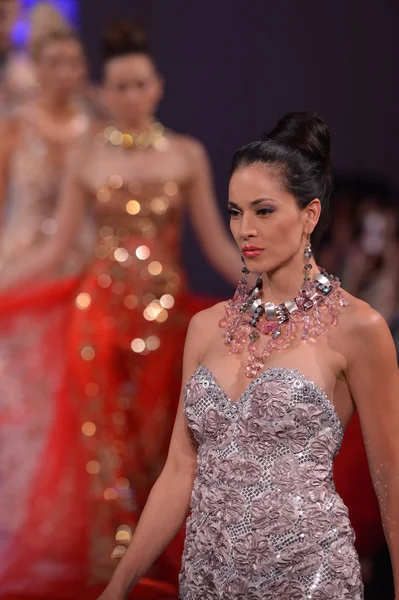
153, 137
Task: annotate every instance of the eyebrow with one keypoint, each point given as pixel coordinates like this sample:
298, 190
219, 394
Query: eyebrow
253, 203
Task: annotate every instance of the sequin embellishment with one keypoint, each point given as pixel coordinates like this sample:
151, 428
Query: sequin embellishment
266, 522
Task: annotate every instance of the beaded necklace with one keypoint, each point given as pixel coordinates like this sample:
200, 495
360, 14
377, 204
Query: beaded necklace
247, 317
153, 137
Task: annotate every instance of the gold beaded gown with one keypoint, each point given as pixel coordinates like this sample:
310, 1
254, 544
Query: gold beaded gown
126, 338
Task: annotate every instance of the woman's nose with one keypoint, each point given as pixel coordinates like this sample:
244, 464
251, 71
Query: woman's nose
247, 229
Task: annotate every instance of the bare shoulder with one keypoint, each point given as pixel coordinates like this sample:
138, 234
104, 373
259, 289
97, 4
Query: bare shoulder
204, 326
360, 318
192, 147
208, 320
363, 330
84, 148
94, 137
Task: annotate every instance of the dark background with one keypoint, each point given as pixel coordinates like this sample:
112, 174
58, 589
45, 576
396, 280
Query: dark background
233, 68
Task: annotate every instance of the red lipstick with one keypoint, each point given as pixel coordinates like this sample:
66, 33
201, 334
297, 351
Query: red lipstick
252, 251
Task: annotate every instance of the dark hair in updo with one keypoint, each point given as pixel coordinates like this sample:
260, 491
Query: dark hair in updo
125, 37
299, 147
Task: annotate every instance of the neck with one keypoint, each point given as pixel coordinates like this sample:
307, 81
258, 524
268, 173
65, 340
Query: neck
284, 283
133, 127
56, 105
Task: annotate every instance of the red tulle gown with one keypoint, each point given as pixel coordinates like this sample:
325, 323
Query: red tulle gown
98, 386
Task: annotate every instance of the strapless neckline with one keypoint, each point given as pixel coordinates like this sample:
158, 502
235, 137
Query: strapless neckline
264, 514
267, 373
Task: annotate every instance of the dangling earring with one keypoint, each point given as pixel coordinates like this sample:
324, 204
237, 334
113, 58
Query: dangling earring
308, 248
245, 272
307, 254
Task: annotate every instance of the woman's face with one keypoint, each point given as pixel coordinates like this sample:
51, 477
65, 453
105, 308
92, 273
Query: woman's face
61, 67
266, 218
132, 88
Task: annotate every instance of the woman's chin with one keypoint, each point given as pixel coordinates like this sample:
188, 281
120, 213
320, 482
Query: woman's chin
256, 267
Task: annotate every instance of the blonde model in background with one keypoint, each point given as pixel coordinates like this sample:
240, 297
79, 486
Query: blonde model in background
36, 139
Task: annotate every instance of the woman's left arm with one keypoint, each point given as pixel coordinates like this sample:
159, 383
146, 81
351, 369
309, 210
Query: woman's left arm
373, 377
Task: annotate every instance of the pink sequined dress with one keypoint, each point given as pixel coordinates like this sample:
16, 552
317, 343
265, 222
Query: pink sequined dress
266, 522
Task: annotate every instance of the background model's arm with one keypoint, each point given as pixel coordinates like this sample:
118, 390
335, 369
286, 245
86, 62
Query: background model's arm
216, 242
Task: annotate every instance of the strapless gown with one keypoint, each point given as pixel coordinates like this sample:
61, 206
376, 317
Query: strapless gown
266, 522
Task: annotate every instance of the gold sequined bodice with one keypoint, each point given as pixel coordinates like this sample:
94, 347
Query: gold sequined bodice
139, 228
138, 208
140, 213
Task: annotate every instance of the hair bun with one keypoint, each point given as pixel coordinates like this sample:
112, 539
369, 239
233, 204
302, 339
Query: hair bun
124, 37
45, 19
47, 24
305, 131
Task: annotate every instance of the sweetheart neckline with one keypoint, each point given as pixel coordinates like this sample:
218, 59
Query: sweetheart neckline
262, 376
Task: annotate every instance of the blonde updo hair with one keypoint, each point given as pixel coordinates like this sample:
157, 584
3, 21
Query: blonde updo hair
47, 25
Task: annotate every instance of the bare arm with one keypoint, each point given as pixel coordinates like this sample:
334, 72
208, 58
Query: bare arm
374, 383
168, 504
41, 261
8, 135
213, 236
